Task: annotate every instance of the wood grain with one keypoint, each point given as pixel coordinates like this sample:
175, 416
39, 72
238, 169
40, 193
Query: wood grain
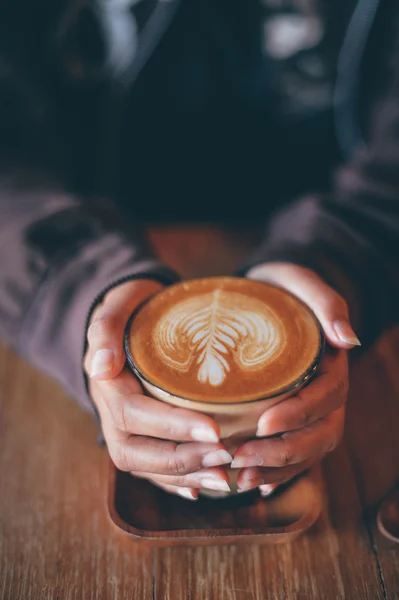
334, 561
373, 420
203, 251
55, 537
56, 540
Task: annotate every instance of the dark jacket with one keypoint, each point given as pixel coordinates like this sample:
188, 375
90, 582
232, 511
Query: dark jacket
75, 76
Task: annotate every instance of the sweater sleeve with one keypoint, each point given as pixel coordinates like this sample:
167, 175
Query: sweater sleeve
58, 255
57, 260
350, 236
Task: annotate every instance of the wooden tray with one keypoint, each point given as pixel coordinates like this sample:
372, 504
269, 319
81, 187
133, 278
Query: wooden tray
150, 515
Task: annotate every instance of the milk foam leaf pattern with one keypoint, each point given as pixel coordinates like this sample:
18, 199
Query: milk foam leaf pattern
217, 330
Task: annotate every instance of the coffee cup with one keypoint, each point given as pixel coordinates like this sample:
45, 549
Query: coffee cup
227, 347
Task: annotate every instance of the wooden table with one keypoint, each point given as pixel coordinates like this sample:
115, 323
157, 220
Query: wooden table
57, 543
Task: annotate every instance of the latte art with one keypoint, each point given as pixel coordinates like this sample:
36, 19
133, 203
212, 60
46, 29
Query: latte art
222, 340
218, 328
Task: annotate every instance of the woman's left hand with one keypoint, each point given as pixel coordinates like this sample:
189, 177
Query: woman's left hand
300, 430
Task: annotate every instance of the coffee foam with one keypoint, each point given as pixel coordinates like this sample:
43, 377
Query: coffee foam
224, 340
219, 327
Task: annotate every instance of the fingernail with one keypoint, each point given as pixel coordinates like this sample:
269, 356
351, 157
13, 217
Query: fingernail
204, 434
216, 458
102, 362
215, 484
345, 333
267, 489
187, 493
249, 485
262, 430
250, 479
250, 460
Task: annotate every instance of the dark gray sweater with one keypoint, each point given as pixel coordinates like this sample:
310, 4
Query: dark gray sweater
76, 78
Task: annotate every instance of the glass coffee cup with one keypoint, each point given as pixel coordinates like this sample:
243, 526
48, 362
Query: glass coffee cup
226, 347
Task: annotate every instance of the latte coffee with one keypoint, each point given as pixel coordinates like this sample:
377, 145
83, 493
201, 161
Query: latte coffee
225, 346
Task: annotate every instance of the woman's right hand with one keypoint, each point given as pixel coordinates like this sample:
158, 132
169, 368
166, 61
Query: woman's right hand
177, 449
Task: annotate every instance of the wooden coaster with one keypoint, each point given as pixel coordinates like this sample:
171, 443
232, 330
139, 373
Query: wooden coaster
150, 515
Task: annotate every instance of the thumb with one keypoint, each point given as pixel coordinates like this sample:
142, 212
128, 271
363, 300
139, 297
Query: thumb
105, 333
328, 306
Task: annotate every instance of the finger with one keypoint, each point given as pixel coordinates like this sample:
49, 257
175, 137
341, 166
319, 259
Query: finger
149, 455
326, 393
329, 307
254, 477
105, 333
211, 479
186, 493
293, 447
135, 413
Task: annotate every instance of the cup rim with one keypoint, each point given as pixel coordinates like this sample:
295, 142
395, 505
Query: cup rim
298, 383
